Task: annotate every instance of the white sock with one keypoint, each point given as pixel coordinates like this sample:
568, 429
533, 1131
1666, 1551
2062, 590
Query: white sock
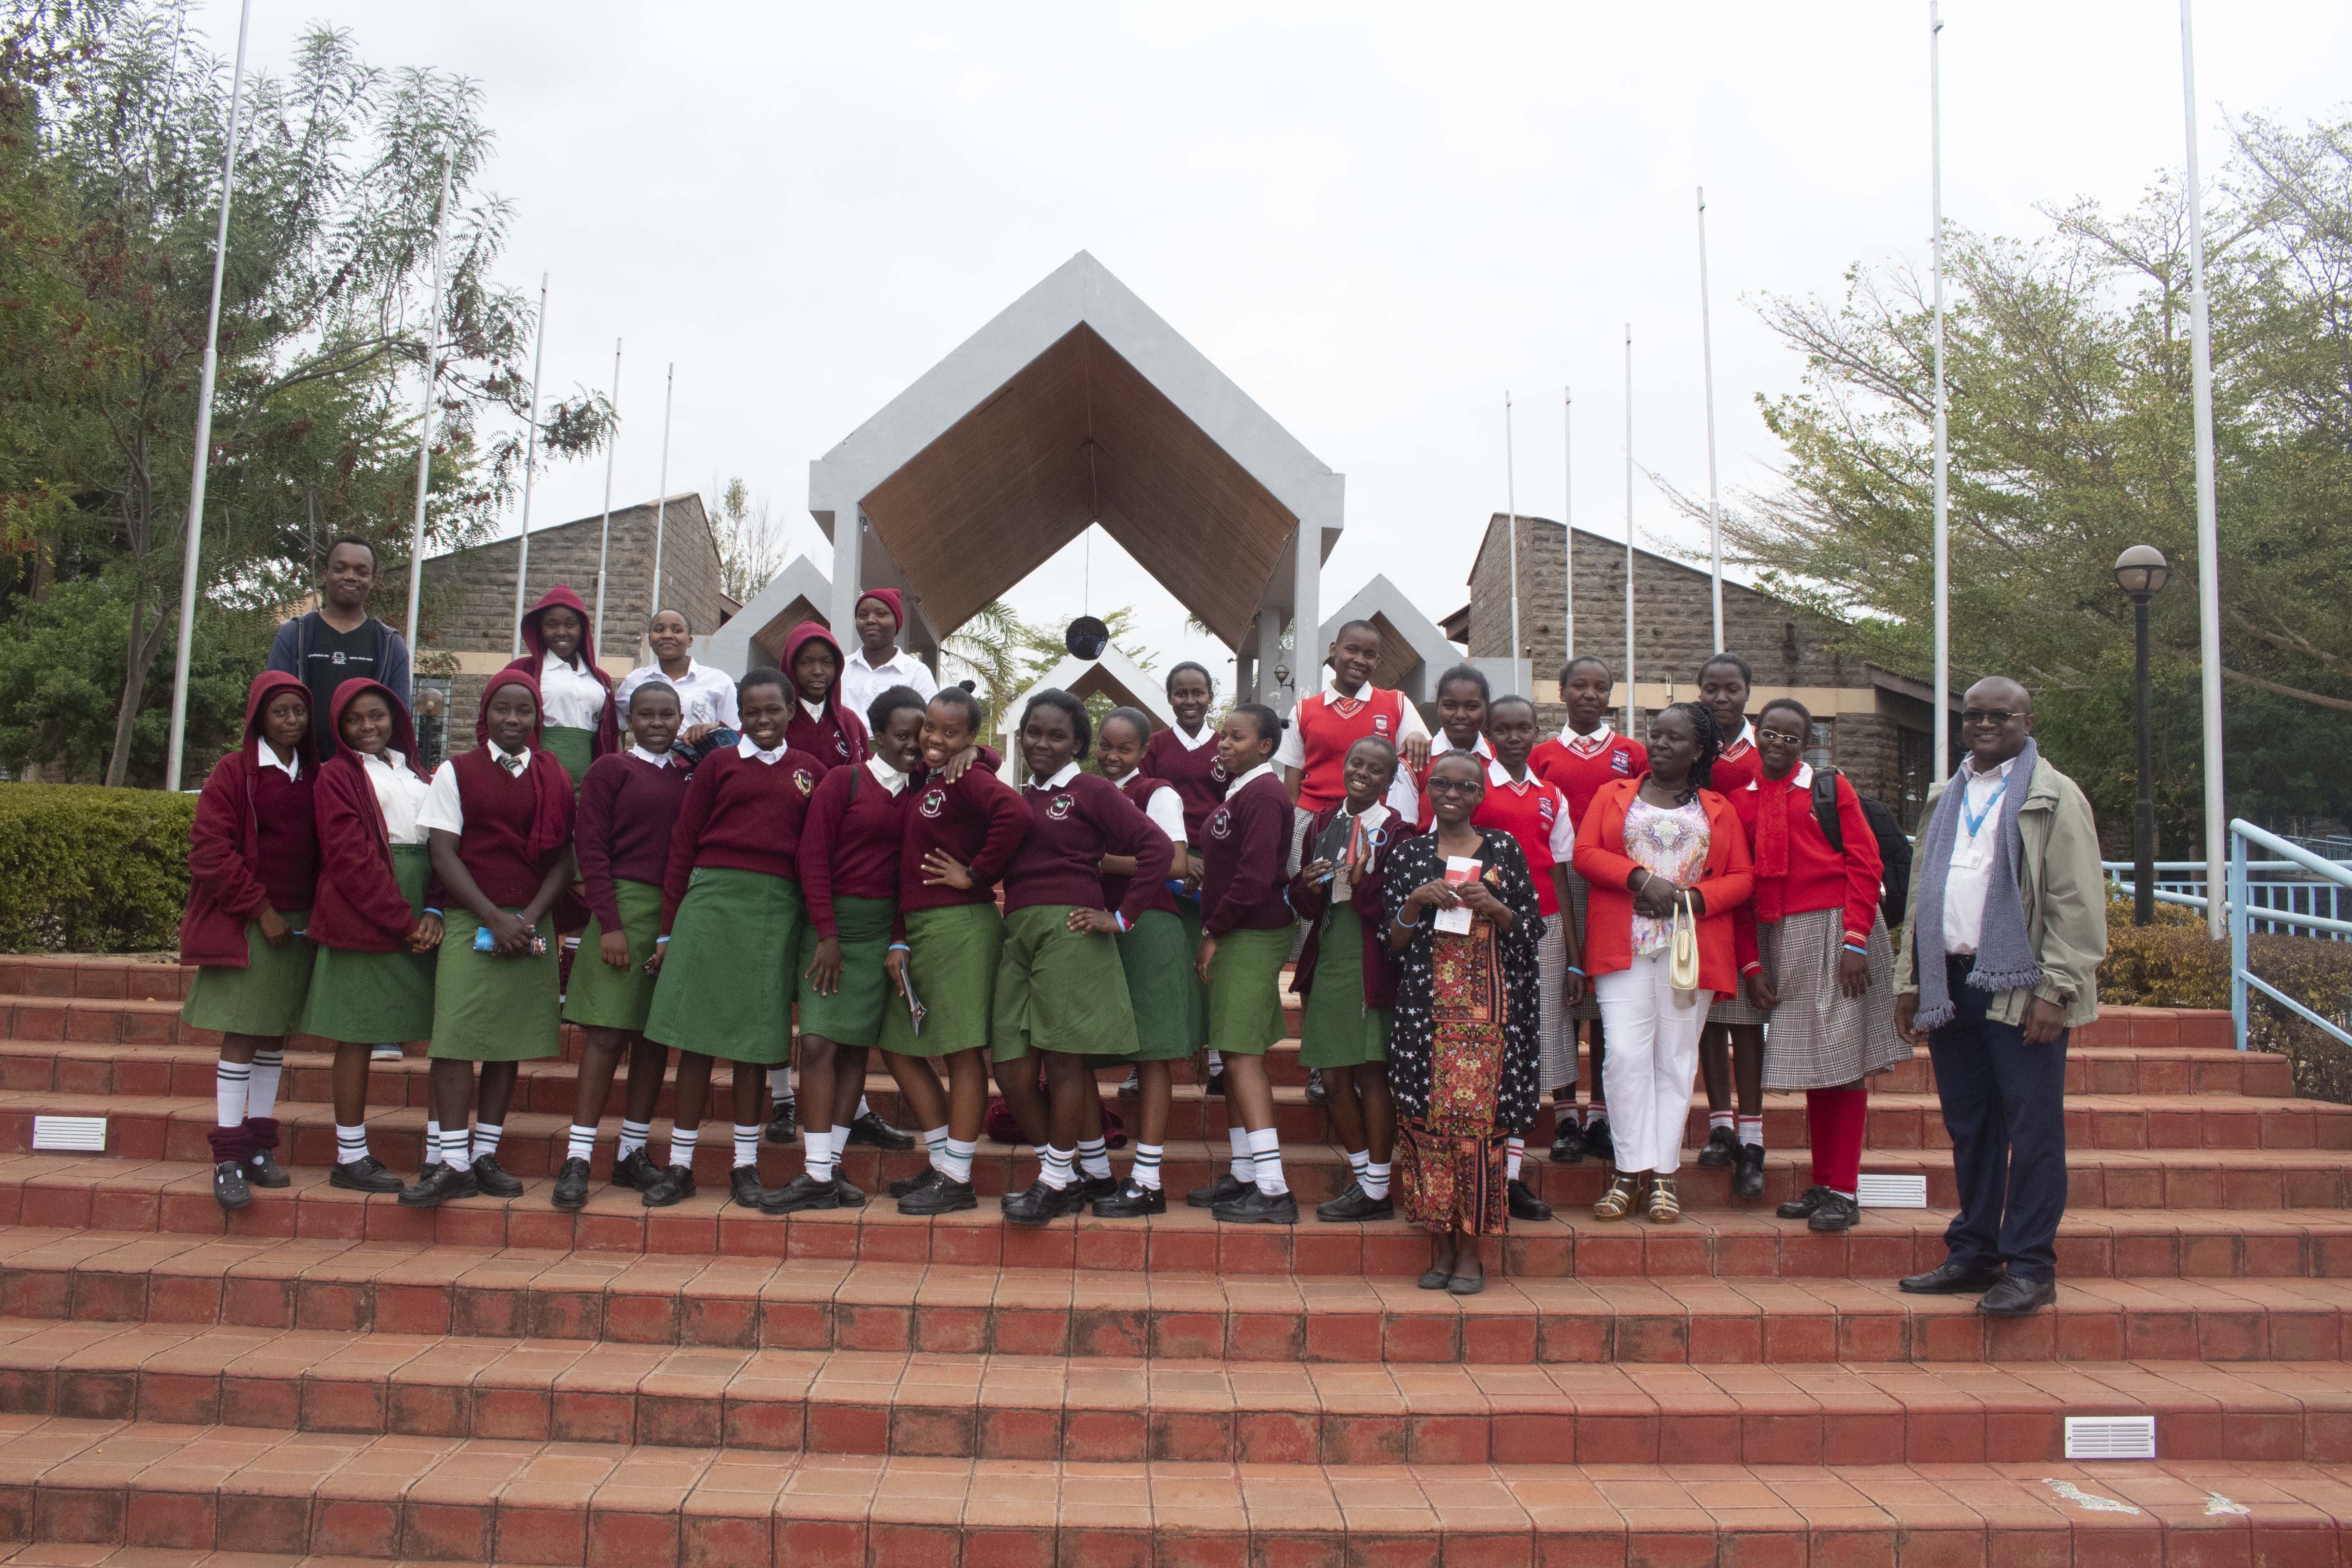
633, 1137
231, 1083
1094, 1158
1266, 1158
780, 1084
1358, 1159
350, 1144
486, 1138
747, 1145
457, 1150
863, 1108
1595, 1114
1515, 1151
818, 1162
1145, 1171
681, 1145
1716, 1119
1751, 1130
1376, 1179
957, 1162
582, 1142
1216, 1059
840, 1142
935, 1143
432, 1138
1245, 1169
1054, 1167
268, 1062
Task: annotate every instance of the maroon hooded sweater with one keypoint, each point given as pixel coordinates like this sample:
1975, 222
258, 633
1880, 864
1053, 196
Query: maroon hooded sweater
837, 738
608, 718
253, 845
1244, 856
1072, 825
979, 820
512, 824
360, 907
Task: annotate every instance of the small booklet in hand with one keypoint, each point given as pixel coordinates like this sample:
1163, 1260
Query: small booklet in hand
1459, 869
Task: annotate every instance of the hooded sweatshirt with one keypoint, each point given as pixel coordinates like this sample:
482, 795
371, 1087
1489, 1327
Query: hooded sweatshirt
253, 845
836, 736
509, 826
360, 905
608, 718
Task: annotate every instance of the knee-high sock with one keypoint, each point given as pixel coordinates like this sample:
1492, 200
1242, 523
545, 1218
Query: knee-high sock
269, 1063
232, 1087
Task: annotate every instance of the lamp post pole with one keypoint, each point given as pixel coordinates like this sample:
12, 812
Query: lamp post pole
2141, 573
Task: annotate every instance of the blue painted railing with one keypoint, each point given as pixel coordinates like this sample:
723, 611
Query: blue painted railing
2244, 915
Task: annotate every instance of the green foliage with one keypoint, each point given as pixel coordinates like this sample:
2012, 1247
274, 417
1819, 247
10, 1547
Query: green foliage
1005, 655
92, 870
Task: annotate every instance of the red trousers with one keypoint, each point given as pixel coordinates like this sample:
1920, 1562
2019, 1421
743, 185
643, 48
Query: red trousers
1834, 1122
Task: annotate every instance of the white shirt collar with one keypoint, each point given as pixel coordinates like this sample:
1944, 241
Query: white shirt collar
1997, 772
497, 751
387, 759
897, 654
658, 759
1331, 688
1745, 737
1440, 743
1800, 779
1195, 743
1587, 744
813, 709
747, 747
885, 775
1264, 769
1068, 771
549, 660
269, 759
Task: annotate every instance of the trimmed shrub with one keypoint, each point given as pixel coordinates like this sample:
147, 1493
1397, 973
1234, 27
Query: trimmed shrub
89, 870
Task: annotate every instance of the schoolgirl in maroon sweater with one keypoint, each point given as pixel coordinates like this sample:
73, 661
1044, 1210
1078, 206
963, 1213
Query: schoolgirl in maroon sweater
1185, 757
821, 724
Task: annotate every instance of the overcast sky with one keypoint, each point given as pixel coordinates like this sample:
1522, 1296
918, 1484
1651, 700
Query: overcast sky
1375, 219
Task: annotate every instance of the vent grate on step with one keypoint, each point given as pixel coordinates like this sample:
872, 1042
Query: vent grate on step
75, 1134
1892, 1192
2111, 1436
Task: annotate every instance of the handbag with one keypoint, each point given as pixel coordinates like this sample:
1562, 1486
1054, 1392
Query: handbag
1682, 969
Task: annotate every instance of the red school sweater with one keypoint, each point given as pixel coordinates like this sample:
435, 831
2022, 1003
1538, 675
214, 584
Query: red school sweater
1328, 725
741, 813
1816, 877
1193, 772
1738, 767
1072, 825
1247, 858
979, 820
1528, 810
849, 845
1582, 766
627, 809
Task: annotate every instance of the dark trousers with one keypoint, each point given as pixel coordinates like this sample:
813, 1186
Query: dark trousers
2005, 1107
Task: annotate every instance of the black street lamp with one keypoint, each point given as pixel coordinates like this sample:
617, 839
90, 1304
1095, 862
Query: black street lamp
2142, 572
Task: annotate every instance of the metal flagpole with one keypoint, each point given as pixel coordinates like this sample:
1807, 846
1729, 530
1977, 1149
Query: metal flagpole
1943, 505
530, 460
661, 502
1706, 350
1568, 521
1511, 505
424, 406
2208, 548
1629, 527
201, 462
604, 539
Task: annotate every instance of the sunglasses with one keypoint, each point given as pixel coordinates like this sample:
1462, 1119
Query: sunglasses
1764, 734
1454, 786
1993, 716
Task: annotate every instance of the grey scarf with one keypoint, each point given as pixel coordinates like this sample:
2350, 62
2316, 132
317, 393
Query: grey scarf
2005, 959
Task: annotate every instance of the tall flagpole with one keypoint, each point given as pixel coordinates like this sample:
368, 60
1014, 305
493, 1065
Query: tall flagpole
1511, 505
530, 460
425, 404
1568, 523
1630, 702
1707, 349
2209, 547
661, 502
1943, 720
201, 462
604, 539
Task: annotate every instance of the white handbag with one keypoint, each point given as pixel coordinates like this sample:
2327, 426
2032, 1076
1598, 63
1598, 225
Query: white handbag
1682, 968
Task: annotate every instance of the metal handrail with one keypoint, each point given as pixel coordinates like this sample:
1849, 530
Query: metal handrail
2243, 914
2277, 886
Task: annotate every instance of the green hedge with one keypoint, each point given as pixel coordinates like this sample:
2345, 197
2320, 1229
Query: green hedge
89, 870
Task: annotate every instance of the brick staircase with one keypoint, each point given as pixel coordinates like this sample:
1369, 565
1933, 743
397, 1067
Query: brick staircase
327, 1374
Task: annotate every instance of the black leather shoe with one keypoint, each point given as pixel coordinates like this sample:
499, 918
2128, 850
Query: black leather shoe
637, 1172
1953, 1279
944, 1195
743, 1187
493, 1182
852, 1198
1042, 1204
2015, 1297
1316, 1093
229, 1190
1837, 1213
1224, 1190
906, 1186
1098, 1188
1802, 1207
803, 1193
1718, 1150
870, 1128
1257, 1208
365, 1175
674, 1185
1747, 1171
437, 1184
1526, 1205
1132, 1200
570, 1184
1355, 1207
1567, 1141
784, 1127
1598, 1143
263, 1171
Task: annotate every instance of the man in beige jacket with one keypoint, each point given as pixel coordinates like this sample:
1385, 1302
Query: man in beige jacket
2000, 959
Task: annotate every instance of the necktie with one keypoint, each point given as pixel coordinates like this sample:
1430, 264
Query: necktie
513, 764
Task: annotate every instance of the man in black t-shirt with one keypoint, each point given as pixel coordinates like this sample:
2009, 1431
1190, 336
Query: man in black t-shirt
339, 641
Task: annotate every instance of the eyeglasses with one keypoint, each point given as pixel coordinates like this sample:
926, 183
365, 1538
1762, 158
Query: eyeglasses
1454, 786
1764, 734
1992, 716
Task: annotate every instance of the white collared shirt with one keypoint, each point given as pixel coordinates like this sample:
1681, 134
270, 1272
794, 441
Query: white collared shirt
570, 695
1801, 779
885, 775
444, 807
1063, 776
747, 747
1747, 737
1590, 745
704, 695
1970, 871
1208, 732
654, 759
267, 756
862, 682
1264, 769
1166, 810
813, 709
400, 794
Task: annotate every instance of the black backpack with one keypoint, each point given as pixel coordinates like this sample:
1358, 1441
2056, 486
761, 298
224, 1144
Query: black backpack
1894, 848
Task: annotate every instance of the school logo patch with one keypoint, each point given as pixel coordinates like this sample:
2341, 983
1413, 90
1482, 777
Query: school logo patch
804, 780
1217, 771
1221, 823
1545, 810
1379, 724
1622, 761
841, 744
934, 800
1060, 810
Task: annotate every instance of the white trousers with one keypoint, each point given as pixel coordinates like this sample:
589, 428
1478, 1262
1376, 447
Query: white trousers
1652, 1062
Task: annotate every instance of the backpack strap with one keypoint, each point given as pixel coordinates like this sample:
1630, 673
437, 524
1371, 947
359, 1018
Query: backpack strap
1825, 807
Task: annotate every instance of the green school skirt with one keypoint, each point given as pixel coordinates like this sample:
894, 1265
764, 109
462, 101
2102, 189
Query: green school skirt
604, 997
265, 996
575, 749
952, 965
489, 1008
1245, 990
726, 985
1059, 990
370, 996
1171, 1017
853, 1014
1336, 1030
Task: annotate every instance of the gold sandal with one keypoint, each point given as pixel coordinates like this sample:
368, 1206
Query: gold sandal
1619, 1200
1665, 1204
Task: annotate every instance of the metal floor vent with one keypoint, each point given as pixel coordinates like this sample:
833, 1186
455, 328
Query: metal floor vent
2111, 1436
76, 1135
1892, 1192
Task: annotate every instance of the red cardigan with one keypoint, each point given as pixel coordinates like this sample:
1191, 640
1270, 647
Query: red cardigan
225, 842
1816, 878
1601, 860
